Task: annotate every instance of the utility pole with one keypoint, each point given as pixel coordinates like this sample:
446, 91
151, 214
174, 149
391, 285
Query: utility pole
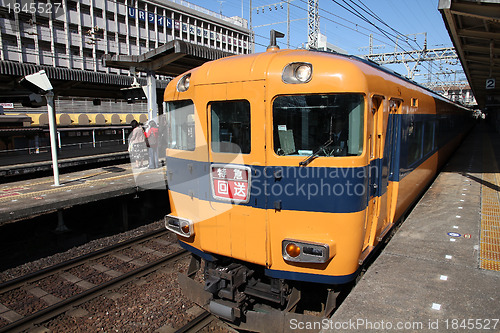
288, 24
312, 24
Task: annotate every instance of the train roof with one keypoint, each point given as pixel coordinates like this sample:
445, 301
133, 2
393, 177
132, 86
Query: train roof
221, 68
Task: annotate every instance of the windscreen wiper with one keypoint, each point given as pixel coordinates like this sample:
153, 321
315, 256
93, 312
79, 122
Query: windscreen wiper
311, 157
315, 154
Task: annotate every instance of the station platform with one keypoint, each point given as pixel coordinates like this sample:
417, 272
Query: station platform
29, 198
32, 164
440, 272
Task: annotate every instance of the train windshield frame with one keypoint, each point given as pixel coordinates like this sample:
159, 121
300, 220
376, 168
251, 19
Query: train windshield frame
180, 120
330, 125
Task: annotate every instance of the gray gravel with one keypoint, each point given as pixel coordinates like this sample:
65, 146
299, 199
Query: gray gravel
78, 251
153, 303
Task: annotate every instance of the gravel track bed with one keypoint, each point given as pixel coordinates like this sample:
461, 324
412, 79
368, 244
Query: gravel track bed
115, 264
3, 322
92, 246
149, 258
134, 254
154, 245
149, 304
146, 305
22, 302
58, 287
89, 274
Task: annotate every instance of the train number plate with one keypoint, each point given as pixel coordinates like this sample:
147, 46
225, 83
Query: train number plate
230, 183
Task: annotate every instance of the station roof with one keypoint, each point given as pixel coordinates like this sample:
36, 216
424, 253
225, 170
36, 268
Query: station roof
171, 59
66, 81
474, 28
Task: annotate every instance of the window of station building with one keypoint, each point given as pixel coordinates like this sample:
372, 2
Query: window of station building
42, 21
122, 38
60, 48
152, 44
44, 46
230, 126
111, 36
75, 50
133, 40
121, 18
415, 135
110, 16
180, 120
325, 124
97, 12
85, 9
73, 28
99, 54
7, 15
98, 34
58, 25
71, 5
142, 42
87, 52
28, 43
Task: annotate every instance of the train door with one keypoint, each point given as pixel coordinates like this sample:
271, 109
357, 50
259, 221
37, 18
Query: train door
235, 123
391, 155
375, 129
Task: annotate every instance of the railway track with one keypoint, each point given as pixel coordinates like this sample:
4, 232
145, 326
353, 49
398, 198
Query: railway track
197, 323
42, 295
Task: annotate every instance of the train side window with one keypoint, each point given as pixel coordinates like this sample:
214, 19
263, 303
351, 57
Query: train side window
428, 136
325, 125
180, 125
415, 135
230, 127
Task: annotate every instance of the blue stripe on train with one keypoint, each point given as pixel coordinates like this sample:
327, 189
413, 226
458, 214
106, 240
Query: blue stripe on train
314, 278
318, 189
321, 189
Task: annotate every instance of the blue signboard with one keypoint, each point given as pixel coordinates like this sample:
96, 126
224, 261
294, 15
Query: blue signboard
142, 15
160, 20
131, 12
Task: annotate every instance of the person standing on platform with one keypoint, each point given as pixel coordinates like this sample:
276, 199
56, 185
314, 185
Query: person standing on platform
152, 136
137, 144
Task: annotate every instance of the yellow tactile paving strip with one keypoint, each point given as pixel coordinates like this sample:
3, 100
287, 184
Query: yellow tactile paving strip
489, 255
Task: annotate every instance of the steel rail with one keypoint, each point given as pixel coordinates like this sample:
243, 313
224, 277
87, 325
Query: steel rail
197, 323
14, 283
60, 307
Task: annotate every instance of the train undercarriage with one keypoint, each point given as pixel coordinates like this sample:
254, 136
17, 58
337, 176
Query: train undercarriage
243, 296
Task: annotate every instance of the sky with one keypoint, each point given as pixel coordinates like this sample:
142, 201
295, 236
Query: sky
348, 31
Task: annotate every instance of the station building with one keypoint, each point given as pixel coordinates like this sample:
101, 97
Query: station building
72, 36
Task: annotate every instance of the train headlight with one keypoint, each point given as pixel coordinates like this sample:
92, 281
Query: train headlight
183, 83
297, 72
299, 251
181, 227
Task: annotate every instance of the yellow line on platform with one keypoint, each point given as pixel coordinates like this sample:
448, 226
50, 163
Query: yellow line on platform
489, 255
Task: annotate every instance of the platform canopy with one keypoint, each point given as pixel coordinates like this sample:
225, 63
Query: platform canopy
170, 59
474, 28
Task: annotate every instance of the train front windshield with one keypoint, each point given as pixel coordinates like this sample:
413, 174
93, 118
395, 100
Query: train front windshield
325, 125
